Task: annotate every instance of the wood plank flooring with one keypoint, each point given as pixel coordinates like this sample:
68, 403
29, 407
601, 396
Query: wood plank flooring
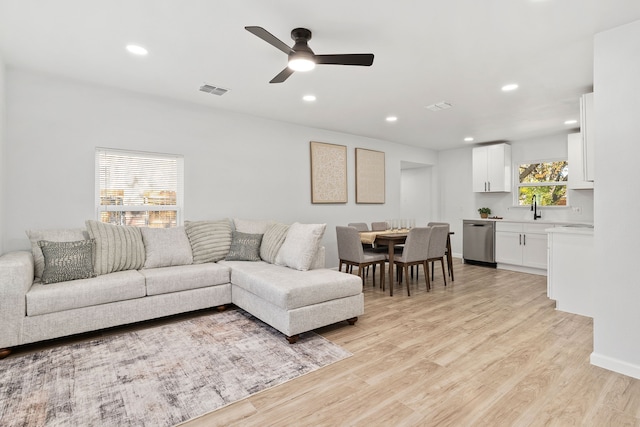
488, 350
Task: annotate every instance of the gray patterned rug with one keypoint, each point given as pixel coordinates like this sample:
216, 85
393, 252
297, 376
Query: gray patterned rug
156, 376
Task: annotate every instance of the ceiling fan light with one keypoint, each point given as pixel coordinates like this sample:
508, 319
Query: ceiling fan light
301, 64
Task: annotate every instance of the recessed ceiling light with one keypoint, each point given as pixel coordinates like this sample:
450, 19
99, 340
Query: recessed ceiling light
137, 50
392, 119
571, 122
468, 139
309, 98
509, 87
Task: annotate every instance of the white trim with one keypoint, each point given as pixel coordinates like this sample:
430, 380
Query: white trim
615, 365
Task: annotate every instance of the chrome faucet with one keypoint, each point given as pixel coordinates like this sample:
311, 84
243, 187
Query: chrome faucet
534, 208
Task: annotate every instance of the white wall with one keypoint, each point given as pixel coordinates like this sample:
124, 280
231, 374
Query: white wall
458, 201
235, 165
416, 195
617, 205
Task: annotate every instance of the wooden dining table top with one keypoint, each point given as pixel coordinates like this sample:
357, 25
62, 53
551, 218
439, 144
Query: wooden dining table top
369, 237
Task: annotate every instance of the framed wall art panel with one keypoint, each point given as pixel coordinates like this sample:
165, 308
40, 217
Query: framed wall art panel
328, 173
370, 176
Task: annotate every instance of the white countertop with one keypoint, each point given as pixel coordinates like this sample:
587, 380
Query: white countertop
558, 224
575, 229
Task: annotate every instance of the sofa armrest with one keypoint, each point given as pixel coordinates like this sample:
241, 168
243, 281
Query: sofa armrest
16, 277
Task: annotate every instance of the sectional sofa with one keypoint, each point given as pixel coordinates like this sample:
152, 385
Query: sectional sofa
80, 280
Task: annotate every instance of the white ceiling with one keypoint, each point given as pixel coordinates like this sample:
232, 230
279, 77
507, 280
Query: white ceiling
426, 51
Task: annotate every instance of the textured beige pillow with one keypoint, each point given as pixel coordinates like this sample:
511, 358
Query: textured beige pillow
251, 226
118, 247
210, 240
300, 246
165, 247
272, 240
60, 235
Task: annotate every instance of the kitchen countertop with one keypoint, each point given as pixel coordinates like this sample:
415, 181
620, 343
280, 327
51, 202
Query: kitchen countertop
558, 224
572, 229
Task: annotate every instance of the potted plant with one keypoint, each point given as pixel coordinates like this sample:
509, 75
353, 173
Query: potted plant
484, 212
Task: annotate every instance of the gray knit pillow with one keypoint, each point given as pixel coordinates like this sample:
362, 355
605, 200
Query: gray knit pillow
118, 247
210, 240
64, 261
244, 247
57, 235
272, 241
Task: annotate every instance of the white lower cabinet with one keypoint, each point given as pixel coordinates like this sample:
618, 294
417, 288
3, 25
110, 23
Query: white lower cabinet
520, 244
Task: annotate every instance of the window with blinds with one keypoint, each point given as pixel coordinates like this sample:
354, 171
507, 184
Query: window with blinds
140, 189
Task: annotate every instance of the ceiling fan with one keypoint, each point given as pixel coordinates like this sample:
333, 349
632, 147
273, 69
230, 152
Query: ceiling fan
302, 58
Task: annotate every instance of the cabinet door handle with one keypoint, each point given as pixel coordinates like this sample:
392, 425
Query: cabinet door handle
489, 185
485, 186
519, 239
525, 239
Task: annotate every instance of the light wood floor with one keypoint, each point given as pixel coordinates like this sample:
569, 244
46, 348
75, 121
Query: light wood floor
487, 350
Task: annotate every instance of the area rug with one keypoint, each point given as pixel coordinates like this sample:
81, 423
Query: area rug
156, 376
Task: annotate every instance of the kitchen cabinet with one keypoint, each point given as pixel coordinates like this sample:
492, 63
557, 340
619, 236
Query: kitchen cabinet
522, 244
492, 168
575, 149
570, 281
587, 130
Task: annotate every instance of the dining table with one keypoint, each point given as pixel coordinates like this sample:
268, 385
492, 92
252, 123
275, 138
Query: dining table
391, 238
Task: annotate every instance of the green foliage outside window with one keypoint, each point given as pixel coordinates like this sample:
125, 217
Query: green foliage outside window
546, 180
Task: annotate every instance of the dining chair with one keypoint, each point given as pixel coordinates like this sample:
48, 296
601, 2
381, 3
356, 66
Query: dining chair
379, 226
415, 252
447, 254
360, 226
438, 248
351, 253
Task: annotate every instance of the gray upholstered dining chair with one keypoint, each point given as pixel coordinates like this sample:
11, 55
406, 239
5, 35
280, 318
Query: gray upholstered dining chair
379, 226
415, 252
351, 253
360, 226
447, 254
438, 247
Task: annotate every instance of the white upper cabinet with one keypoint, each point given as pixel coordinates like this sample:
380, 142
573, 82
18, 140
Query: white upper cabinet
587, 129
492, 168
575, 150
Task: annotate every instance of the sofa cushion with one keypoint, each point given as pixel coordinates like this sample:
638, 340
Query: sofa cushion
210, 240
120, 286
60, 235
184, 277
272, 241
118, 247
288, 288
64, 261
300, 246
166, 247
251, 226
244, 247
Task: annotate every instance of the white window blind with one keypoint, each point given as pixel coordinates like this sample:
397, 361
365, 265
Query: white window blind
137, 188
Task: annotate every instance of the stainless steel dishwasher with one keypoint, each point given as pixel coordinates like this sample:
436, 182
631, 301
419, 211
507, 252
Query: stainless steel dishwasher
478, 242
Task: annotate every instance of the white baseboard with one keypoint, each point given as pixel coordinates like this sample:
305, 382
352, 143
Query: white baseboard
522, 269
615, 365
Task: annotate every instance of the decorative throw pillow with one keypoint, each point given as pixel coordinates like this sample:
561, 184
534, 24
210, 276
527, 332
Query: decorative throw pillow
165, 247
272, 240
60, 235
244, 247
251, 226
64, 261
210, 240
118, 247
300, 246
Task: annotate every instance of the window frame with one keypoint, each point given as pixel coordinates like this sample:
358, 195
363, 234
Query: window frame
178, 207
517, 184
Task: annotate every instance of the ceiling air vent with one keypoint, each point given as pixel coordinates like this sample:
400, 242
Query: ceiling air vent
214, 90
439, 106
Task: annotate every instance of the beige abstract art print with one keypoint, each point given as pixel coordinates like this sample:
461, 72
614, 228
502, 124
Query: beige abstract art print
370, 176
328, 173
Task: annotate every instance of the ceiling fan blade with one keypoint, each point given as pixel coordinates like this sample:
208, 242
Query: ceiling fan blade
365, 59
269, 38
282, 76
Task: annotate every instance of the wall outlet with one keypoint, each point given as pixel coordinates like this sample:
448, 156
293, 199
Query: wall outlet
576, 209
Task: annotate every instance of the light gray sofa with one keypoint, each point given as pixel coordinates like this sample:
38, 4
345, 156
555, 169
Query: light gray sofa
291, 298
